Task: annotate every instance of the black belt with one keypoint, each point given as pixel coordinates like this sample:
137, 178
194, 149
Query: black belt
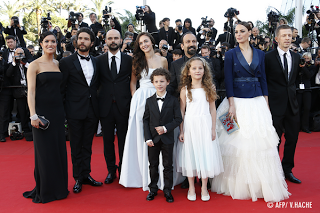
243, 79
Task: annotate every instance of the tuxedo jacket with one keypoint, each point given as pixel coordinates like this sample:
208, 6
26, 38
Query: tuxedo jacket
170, 117
96, 27
163, 36
83, 24
14, 74
19, 33
282, 91
236, 66
175, 71
224, 37
27, 54
118, 89
77, 94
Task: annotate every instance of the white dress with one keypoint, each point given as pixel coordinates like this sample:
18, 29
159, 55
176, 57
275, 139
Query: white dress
198, 154
252, 167
135, 164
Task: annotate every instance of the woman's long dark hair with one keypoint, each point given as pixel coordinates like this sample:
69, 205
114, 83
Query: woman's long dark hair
139, 61
187, 20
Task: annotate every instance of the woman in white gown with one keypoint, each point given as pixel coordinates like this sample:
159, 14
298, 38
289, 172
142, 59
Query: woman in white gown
252, 167
134, 169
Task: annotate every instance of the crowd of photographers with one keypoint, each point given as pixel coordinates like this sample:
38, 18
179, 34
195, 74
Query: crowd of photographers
16, 56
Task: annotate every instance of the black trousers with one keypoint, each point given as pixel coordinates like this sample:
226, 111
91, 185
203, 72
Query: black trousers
81, 136
114, 120
304, 100
22, 106
290, 124
153, 155
5, 107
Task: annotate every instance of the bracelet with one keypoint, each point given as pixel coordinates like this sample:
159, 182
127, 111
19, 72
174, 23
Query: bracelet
34, 117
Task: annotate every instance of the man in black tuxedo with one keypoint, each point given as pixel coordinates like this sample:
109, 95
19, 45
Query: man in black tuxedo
282, 67
80, 21
17, 72
17, 31
226, 36
161, 116
79, 88
189, 45
114, 99
8, 54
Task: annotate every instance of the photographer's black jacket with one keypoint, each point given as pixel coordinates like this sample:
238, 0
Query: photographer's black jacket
150, 21
304, 77
14, 74
96, 27
171, 35
19, 34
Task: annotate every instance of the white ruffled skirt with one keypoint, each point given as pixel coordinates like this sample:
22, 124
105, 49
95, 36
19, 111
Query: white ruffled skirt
252, 167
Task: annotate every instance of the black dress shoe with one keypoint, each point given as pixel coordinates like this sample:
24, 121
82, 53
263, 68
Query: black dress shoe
3, 139
185, 184
168, 197
151, 195
306, 130
77, 187
89, 180
110, 178
291, 178
99, 135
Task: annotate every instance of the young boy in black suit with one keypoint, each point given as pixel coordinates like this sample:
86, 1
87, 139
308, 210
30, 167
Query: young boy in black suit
162, 115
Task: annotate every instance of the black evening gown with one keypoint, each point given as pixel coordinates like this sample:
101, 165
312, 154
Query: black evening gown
50, 152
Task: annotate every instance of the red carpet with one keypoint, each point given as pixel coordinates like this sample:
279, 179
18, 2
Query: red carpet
16, 172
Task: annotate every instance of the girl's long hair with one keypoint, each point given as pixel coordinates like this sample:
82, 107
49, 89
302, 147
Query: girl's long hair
139, 61
206, 81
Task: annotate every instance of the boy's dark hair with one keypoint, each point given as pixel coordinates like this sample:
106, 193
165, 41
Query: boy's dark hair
176, 52
160, 72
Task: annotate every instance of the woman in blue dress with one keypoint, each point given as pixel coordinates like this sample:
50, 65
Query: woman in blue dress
252, 167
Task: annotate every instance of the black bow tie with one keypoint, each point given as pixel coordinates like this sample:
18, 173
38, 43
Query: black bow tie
162, 99
83, 57
12, 51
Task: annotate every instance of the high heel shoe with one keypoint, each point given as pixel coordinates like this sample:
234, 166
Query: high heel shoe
192, 197
206, 197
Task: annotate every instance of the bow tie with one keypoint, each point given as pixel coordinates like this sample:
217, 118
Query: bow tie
83, 57
162, 99
12, 51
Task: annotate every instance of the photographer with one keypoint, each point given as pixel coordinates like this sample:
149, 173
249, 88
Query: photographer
127, 46
2, 42
17, 72
312, 22
304, 45
95, 26
80, 21
17, 31
254, 37
167, 33
268, 44
227, 36
303, 84
130, 28
8, 54
187, 26
149, 19
5, 99
179, 33
295, 37
164, 48
206, 31
206, 53
69, 43
114, 23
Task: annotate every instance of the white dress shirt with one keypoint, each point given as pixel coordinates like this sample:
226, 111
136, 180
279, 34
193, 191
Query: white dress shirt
289, 59
118, 60
10, 56
87, 69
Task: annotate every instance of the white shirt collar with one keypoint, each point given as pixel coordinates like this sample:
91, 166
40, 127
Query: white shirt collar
117, 55
162, 96
281, 52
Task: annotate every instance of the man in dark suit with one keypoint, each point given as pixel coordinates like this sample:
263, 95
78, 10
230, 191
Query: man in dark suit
17, 31
161, 116
5, 100
79, 88
189, 45
167, 33
226, 36
80, 21
114, 99
17, 72
164, 51
8, 54
282, 67
95, 26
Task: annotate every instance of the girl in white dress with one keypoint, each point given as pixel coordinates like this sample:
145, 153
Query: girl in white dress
199, 149
134, 169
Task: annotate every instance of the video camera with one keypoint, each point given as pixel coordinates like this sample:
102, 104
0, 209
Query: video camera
205, 22
312, 12
273, 17
19, 58
45, 23
15, 21
105, 15
231, 12
73, 18
140, 12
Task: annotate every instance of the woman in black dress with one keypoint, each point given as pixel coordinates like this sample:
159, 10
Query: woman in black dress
44, 99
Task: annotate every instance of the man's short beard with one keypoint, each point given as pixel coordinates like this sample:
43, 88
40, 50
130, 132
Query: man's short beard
192, 52
83, 50
114, 48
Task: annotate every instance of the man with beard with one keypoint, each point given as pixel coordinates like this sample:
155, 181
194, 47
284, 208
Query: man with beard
79, 88
114, 99
189, 46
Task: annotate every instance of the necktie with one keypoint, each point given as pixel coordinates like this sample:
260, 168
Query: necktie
285, 64
114, 67
162, 99
83, 57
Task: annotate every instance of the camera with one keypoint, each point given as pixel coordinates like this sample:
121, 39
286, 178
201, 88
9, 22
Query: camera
312, 11
15, 134
261, 39
45, 23
105, 16
165, 47
205, 22
273, 17
180, 27
15, 21
302, 61
73, 17
230, 12
19, 57
140, 12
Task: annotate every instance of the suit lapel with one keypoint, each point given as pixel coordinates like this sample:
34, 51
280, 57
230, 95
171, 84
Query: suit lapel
281, 65
166, 100
77, 64
243, 61
292, 66
155, 103
255, 60
94, 63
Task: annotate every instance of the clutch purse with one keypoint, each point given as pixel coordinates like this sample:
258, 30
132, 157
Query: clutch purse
230, 125
45, 122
